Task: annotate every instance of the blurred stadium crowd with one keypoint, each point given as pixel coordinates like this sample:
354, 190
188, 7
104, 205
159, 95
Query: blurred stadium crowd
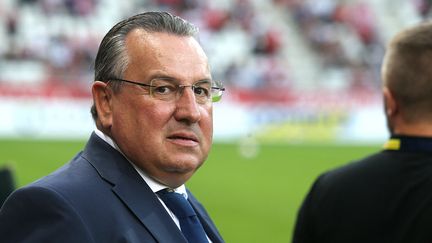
260, 49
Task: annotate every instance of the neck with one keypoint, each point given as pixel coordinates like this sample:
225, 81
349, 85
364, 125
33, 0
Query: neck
420, 129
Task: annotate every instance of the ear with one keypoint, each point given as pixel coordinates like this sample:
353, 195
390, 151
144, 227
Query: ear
390, 104
102, 97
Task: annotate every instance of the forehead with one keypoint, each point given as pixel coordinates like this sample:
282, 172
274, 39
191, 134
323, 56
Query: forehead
166, 53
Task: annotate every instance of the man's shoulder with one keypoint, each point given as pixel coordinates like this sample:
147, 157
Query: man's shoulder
362, 165
375, 166
59, 187
370, 167
72, 176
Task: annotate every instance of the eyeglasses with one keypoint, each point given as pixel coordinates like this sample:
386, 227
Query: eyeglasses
164, 89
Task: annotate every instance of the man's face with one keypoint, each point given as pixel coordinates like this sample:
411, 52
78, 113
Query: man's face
169, 140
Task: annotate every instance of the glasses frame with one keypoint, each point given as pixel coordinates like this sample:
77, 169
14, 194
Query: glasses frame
213, 98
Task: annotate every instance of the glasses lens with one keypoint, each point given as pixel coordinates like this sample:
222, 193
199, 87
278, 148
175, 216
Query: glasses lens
202, 91
217, 91
163, 89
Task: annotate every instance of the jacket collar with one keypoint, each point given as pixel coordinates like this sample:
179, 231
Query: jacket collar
127, 184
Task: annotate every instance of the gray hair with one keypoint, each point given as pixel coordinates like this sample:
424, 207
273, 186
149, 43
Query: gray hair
112, 59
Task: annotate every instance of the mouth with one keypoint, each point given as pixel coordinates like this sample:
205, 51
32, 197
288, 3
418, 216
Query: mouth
184, 139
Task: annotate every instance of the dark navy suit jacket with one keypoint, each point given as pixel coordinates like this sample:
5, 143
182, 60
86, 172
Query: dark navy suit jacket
97, 197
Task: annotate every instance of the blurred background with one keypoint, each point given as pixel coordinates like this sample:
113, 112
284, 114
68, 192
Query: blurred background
294, 70
302, 79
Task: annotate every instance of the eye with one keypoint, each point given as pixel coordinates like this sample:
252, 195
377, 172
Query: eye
164, 89
201, 91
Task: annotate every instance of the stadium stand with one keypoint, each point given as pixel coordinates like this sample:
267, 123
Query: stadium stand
284, 52
252, 43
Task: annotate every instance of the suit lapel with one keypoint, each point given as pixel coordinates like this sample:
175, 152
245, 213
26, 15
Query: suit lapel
129, 187
150, 212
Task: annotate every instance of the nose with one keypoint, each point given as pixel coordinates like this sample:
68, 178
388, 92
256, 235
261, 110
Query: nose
187, 109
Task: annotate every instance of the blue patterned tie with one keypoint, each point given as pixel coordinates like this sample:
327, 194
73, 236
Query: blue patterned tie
189, 222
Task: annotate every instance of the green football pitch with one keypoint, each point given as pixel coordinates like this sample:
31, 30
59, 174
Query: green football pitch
252, 193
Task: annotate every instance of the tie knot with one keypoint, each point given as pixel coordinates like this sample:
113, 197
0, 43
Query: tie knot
177, 203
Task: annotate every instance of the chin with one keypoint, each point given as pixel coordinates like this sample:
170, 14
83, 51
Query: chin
183, 166
176, 177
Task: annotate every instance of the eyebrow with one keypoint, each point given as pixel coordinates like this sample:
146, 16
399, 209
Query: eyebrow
175, 80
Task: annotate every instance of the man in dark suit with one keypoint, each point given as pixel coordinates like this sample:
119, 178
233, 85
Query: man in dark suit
153, 99
386, 197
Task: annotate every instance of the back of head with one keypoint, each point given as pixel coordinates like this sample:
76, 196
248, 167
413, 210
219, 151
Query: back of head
407, 72
112, 60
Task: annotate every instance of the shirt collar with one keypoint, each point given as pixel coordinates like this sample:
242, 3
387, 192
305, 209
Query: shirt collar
409, 143
154, 185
